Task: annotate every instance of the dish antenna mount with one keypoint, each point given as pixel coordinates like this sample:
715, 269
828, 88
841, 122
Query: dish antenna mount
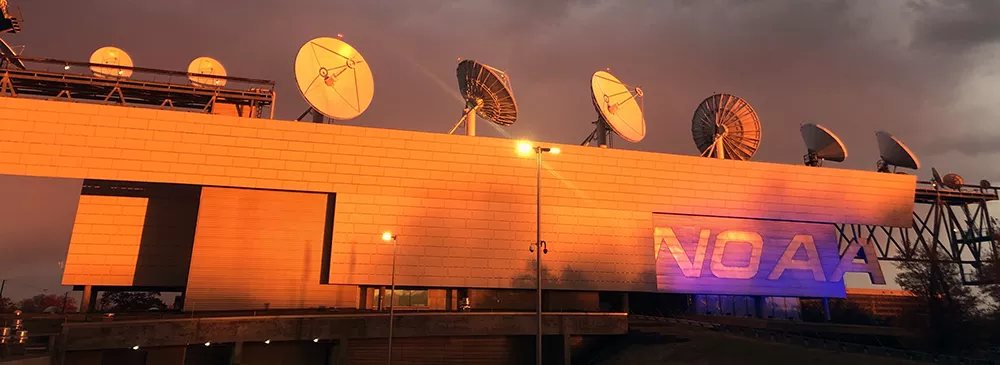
8, 57
619, 110
334, 79
487, 93
8, 22
893, 153
726, 126
821, 145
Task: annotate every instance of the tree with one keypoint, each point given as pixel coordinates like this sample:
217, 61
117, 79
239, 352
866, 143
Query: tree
6, 305
131, 301
41, 302
947, 313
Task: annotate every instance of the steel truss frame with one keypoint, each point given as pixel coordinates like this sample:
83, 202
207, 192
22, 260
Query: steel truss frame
955, 221
149, 87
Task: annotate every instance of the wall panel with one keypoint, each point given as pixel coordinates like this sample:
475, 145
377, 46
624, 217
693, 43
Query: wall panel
104, 248
257, 247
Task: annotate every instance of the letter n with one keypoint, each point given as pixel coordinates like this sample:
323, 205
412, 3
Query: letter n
690, 267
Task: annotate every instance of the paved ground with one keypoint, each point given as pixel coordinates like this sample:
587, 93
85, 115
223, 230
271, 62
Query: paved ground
688, 345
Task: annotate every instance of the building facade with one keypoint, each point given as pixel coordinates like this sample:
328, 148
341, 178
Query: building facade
244, 213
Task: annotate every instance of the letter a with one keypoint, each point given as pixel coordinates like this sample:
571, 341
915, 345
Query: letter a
871, 267
788, 261
689, 267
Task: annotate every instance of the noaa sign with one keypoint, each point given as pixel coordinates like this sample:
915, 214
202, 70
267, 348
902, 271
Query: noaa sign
716, 255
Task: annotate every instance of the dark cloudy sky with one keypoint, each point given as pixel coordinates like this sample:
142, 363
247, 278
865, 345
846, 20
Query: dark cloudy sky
923, 70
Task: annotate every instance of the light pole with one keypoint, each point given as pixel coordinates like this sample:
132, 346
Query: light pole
524, 148
389, 237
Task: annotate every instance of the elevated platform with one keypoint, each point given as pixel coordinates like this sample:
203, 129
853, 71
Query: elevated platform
51, 78
968, 194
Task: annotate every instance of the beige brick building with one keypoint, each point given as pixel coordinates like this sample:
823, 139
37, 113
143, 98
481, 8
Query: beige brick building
245, 213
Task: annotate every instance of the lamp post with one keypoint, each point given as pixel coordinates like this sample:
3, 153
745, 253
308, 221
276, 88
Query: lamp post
525, 148
389, 237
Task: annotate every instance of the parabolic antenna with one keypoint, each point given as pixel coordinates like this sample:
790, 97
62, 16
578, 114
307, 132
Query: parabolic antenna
334, 78
894, 153
207, 66
821, 144
114, 57
9, 52
487, 92
953, 181
726, 126
618, 108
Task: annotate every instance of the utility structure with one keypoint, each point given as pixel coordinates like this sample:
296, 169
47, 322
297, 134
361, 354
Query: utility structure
949, 216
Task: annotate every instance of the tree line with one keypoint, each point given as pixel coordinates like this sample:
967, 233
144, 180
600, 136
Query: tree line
109, 302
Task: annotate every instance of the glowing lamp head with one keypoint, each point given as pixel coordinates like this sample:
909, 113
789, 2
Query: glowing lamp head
387, 236
524, 148
554, 150
315, 340
267, 342
208, 344
136, 347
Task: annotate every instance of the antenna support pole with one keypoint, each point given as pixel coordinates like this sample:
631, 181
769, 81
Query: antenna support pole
602, 133
469, 119
470, 122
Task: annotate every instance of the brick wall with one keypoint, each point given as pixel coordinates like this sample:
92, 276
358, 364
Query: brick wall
104, 248
463, 206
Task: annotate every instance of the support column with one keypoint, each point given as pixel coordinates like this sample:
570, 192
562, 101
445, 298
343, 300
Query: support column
381, 297
88, 301
237, 353
826, 309
758, 303
567, 353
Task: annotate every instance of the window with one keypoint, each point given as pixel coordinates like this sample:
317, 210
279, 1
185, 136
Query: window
406, 297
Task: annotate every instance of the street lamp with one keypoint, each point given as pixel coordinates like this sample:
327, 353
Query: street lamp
524, 148
389, 237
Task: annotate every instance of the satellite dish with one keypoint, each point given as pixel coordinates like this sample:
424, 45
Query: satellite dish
936, 177
487, 93
114, 57
985, 184
334, 79
894, 153
207, 66
953, 181
821, 144
618, 108
6, 50
726, 126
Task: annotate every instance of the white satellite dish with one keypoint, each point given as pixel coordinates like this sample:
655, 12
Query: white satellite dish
114, 57
334, 78
894, 153
6, 50
619, 108
207, 66
821, 144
